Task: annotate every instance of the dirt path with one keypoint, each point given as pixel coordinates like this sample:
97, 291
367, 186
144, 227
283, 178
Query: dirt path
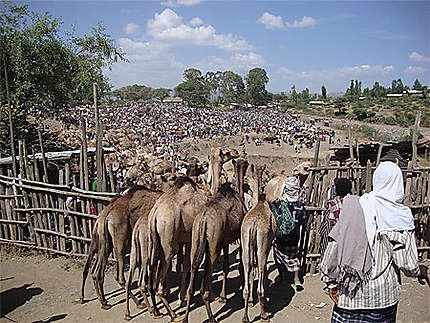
46, 290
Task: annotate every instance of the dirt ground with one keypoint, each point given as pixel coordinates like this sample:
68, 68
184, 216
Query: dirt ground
46, 289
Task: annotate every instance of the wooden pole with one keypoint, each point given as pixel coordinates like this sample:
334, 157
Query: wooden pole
414, 139
357, 149
351, 151
378, 157
9, 112
44, 163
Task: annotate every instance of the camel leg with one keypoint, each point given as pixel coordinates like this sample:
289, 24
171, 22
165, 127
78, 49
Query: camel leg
246, 285
162, 285
92, 252
152, 284
98, 279
251, 284
133, 264
190, 292
225, 267
263, 254
207, 280
186, 269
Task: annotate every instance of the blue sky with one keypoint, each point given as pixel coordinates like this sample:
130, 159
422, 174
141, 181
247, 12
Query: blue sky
305, 43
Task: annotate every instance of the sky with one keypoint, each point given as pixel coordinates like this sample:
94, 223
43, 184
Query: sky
301, 43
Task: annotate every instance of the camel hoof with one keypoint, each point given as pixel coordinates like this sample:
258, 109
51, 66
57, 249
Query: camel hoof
245, 320
222, 300
265, 319
106, 306
127, 317
157, 316
82, 300
141, 306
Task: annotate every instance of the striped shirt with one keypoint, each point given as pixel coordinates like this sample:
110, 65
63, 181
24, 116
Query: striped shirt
394, 251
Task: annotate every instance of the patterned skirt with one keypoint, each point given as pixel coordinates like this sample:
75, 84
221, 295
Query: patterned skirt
286, 254
381, 315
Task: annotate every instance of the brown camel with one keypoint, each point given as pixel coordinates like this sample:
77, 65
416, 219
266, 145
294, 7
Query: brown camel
170, 222
214, 228
139, 259
257, 234
112, 231
273, 189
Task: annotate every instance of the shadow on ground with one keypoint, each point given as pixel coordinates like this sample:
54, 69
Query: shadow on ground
16, 297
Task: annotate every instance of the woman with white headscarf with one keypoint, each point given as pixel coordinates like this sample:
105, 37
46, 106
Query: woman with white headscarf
289, 215
372, 242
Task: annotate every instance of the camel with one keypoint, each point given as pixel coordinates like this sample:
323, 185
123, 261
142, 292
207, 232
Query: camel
170, 223
112, 231
139, 258
273, 189
214, 228
257, 233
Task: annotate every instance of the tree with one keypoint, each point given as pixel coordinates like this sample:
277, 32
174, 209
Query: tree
192, 74
256, 81
194, 90
161, 93
232, 87
417, 85
323, 92
294, 94
47, 66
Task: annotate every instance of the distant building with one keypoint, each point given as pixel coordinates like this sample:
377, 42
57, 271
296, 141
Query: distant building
394, 95
316, 102
413, 92
175, 99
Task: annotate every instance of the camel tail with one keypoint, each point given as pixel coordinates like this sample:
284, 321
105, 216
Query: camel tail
252, 243
201, 242
154, 246
95, 241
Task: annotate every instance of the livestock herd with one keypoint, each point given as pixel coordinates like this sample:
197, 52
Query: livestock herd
192, 221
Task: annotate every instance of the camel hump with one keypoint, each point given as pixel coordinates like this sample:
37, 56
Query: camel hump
182, 181
226, 190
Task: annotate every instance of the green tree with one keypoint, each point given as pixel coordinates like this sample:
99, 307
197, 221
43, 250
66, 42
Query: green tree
194, 90
47, 67
256, 81
323, 92
232, 87
161, 93
417, 85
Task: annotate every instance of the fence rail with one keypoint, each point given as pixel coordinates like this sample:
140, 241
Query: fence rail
35, 214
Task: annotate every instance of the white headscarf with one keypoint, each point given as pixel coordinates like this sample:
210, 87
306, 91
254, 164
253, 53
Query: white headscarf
290, 189
382, 207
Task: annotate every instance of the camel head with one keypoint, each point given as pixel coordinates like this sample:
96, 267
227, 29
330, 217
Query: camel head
223, 155
301, 171
257, 182
218, 157
240, 165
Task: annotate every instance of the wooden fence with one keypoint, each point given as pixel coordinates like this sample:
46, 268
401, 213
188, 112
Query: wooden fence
59, 217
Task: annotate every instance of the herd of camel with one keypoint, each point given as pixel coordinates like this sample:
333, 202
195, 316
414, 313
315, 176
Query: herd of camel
201, 220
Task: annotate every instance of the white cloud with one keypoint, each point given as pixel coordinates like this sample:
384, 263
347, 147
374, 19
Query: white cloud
189, 2
415, 57
151, 63
238, 63
337, 78
167, 26
195, 22
131, 28
175, 4
305, 22
415, 70
271, 22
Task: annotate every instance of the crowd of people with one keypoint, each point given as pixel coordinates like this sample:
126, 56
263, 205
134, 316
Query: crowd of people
162, 125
